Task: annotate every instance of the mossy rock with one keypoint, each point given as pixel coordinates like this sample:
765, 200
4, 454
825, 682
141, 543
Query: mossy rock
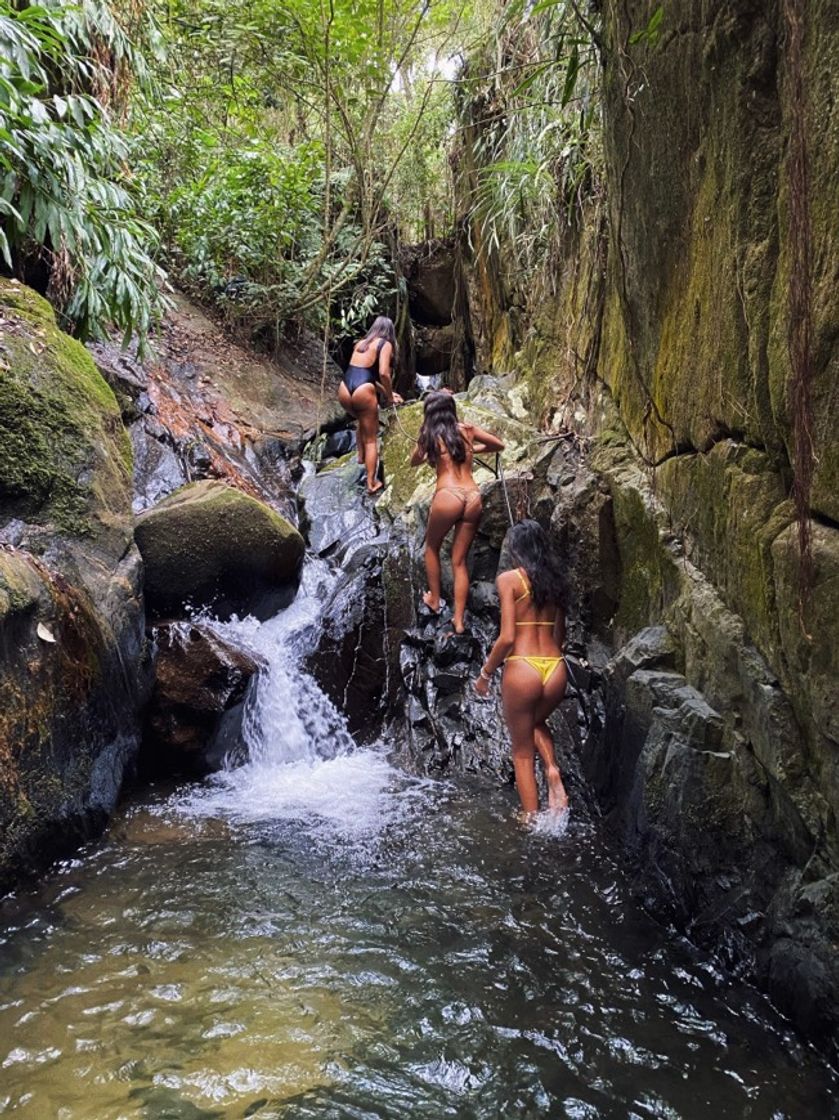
208, 544
65, 458
409, 485
67, 705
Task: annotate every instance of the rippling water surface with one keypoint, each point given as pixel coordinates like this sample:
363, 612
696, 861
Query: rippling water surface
319, 935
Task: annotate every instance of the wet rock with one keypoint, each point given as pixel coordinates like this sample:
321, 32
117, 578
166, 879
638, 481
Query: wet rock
211, 545
194, 720
72, 675
335, 511
351, 660
158, 470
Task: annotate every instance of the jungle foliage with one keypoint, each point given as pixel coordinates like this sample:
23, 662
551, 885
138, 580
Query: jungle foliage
529, 109
295, 142
272, 156
66, 206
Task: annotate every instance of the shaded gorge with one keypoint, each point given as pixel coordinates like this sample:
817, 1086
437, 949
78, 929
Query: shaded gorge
319, 933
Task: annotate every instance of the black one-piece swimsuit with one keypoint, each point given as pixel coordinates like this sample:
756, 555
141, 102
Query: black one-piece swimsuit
357, 376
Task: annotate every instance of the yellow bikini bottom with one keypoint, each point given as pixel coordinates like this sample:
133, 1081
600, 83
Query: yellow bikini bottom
544, 666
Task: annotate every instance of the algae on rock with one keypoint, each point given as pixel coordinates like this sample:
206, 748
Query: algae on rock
209, 544
69, 708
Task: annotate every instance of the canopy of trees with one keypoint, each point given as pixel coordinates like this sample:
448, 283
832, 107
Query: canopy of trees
270, 157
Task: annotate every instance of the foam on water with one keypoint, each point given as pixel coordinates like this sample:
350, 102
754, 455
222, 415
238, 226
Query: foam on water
303, 762
551, 822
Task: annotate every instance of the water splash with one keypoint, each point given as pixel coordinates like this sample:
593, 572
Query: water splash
304, 765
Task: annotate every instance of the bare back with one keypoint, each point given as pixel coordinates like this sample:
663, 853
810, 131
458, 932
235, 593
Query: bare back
449, 471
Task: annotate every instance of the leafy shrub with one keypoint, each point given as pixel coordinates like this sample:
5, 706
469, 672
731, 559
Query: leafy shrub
242, 226
64, 199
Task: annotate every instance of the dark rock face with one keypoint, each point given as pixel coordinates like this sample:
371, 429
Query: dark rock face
721, 844
429, 272
73, 670
211, 545
434, 349
194, 719
351, 660
335, 513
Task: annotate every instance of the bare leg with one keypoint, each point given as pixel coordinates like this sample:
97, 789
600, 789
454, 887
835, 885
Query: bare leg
557, 797
444, 512
520, 691
552, 694
464, 534
366, 405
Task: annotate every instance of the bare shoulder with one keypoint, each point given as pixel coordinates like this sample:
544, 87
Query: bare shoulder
506, 579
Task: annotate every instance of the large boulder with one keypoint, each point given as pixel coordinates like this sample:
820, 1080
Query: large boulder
72, 677
210, 545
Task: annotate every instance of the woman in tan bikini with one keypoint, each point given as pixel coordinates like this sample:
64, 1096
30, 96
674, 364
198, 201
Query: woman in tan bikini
369, 376
530, 644
450, 447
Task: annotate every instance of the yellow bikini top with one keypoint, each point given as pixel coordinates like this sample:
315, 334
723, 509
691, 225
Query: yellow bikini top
525, 593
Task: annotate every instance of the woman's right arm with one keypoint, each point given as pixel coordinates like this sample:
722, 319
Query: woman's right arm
485, 441
385, 372
418, 456
506, 634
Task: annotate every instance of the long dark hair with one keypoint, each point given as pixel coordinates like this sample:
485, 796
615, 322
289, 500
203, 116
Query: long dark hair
382, 328
440, 423
530, 548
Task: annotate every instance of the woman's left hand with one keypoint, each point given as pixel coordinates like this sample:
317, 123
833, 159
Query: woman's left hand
396, 399
481, 686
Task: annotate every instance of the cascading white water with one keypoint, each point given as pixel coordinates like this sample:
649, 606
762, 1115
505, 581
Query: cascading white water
303, 763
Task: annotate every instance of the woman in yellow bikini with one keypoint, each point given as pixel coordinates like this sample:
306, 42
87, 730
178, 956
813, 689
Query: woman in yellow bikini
450, 447
530, 645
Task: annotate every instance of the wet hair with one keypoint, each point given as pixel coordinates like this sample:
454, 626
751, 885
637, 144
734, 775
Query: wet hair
382, 328
440, 423
531, 548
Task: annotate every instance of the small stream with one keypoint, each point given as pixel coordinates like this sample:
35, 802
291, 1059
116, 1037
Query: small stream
320, 934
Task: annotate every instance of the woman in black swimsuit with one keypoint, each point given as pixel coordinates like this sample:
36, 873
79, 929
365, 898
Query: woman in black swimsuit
369, 376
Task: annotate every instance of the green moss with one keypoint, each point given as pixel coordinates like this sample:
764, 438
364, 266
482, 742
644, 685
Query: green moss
730, 505
64, 453
209, 537
397, 445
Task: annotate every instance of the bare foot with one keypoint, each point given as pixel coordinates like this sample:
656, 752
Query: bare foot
435, 608
557, 797
455, 632
375, 488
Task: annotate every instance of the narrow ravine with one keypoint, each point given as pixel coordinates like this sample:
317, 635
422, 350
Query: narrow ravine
317, 933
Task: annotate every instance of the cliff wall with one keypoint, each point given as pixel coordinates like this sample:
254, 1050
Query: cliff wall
676, 348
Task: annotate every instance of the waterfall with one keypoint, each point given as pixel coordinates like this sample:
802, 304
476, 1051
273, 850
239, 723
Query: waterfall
303, 763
